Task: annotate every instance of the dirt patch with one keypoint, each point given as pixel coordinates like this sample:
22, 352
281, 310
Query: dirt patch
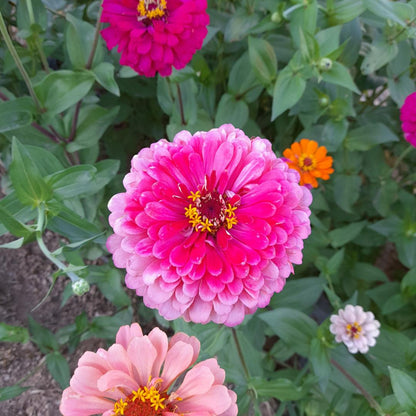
25, 277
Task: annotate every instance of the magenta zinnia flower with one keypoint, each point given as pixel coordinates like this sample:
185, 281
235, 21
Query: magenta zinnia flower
408, 118
139, 375
154, 35
209, 225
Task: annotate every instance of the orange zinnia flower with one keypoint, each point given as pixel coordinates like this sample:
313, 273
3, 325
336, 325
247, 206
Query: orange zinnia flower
310, 161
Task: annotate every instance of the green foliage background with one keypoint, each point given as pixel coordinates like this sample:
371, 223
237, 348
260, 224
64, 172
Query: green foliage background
333, 71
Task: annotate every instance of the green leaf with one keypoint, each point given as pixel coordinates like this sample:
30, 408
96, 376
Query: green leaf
104, 75
21, 213
13, 245
319, 358
29, 185
72, 182
16, 113
92, 123
79, 40
288, 90
15, 227
343, 235
298, 294
243, 82
24, 19
9, 392
340, 75
388, 227
59, 368
44, 339
281, 389
384, 9
345, 11
356, 369
304, 17
380, 54
263, 59
404, 388
231, 111
365, 137
62, 89
9, 333
109, 281
239, 25
408, 284
346, 190
107, 326
293, 327
406, 249
71, 225
368, 272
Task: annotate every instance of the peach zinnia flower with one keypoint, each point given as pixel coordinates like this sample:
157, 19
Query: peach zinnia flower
210, 225
146, 376
310, 161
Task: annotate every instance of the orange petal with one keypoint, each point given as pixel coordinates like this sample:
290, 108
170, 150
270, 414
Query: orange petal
320, 153
296, 148
312, 147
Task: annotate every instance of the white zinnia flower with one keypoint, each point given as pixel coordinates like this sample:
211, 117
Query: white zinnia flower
357, 329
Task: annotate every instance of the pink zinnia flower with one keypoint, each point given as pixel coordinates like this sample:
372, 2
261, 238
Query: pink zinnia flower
408, 118
209, 225
154, 35
138, 375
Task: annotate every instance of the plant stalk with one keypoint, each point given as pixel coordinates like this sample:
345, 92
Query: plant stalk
18, 62
370, 399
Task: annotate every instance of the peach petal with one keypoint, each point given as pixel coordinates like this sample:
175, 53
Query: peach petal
74, 404
142, 354
114, 379
126, 333
159, 341
178, 359
197, 381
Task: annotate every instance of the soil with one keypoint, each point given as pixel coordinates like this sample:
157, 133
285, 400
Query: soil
25, 277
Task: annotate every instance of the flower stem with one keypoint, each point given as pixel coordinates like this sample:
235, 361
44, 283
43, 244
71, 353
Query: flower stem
88, 65
39, 229
18, 62
240, 353
372, 402
95, 41
401, 157
178, 88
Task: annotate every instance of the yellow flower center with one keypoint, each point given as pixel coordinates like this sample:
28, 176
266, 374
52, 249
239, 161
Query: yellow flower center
151, 9
307, 162
146, 401
211, 211
354, 330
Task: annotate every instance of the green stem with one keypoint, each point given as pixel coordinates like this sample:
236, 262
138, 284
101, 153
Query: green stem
95, 41
42, 55
401, 157
30, 12
88, 65
39, 230
18, 62
178, 88
370, 399
240, 353
33, 371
